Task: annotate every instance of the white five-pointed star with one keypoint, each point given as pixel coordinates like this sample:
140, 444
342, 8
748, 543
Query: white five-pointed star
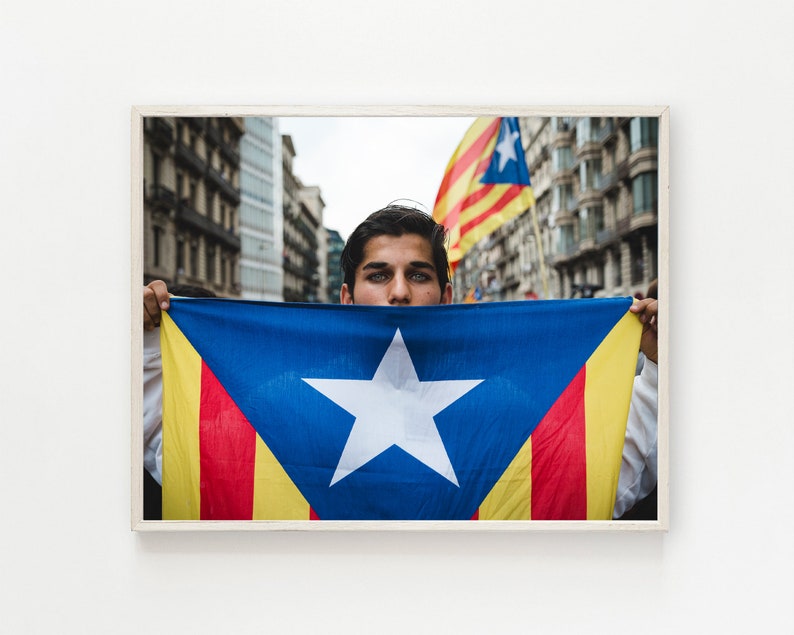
507, 148
394, 408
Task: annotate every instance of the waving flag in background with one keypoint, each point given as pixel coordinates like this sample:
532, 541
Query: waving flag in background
512, 410
486, 183
474, 295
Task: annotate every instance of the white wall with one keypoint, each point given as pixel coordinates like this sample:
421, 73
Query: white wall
71, 72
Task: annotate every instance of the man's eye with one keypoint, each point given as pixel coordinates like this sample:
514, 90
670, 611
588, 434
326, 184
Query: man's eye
376, 277
420, 277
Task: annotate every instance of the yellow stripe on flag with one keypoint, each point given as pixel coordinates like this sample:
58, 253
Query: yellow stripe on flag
468, 182
607, 396
275, 495
511, 496
181, 402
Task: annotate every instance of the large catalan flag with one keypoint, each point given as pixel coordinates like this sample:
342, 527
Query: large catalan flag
289, 411
486, 183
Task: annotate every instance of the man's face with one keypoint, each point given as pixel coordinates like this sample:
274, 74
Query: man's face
397, 271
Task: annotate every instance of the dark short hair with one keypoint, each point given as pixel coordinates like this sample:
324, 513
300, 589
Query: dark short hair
191, 291
396, 220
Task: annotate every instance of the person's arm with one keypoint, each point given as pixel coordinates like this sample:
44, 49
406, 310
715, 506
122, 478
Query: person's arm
638, 470
152, 405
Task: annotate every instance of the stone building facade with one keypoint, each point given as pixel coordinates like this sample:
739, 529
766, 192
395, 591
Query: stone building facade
191, 201
303, 227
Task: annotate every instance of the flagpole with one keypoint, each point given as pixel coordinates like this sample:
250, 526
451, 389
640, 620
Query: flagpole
539, 243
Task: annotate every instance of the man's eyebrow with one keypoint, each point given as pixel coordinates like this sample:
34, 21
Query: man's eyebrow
422, 264
418, 264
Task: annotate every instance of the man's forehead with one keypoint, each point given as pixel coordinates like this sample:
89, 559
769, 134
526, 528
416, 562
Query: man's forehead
387, 248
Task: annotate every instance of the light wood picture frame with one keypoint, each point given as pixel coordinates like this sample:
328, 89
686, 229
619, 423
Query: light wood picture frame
661, 114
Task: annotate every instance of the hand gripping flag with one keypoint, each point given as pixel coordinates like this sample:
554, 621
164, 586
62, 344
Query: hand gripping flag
486, 183
512, 410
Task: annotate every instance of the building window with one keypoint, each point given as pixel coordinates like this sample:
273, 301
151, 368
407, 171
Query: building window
210, 264
617, 269
194, 259
598, 220
590, 174
598, 275
587, 130
591, 222
565, 239
155, 169
644, 192
585, 224
561, 197
562, 158
637, 263
156, 244
644, 132
180, 256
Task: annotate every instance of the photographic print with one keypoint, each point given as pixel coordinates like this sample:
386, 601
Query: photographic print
399, 318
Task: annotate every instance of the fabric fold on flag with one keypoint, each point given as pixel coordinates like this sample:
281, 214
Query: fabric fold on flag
512, 410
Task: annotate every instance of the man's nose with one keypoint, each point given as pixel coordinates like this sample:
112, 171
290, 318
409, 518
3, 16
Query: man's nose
399, 291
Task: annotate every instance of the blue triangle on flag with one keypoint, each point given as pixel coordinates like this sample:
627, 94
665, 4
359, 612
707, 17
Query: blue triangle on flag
508, 163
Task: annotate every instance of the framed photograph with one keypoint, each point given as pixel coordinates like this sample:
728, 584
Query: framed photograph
400, 318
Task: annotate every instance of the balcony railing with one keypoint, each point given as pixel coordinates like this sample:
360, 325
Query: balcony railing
160, 196
608, 180
197, 123
230, 154
189, 217
214, 135
160, 131
226, 188
606, 130
605, 236
190, 158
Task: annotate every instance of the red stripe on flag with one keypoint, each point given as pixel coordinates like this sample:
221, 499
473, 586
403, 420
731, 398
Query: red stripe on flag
559, 460
463, 162
227, 444
510, 194
313, 514
454, 212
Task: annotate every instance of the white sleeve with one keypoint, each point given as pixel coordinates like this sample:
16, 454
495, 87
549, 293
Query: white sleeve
638, 469
152, 405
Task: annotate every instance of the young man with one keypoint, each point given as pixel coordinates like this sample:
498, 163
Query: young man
397, 257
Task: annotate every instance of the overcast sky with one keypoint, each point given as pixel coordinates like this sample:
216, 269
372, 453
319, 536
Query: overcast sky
363, 163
